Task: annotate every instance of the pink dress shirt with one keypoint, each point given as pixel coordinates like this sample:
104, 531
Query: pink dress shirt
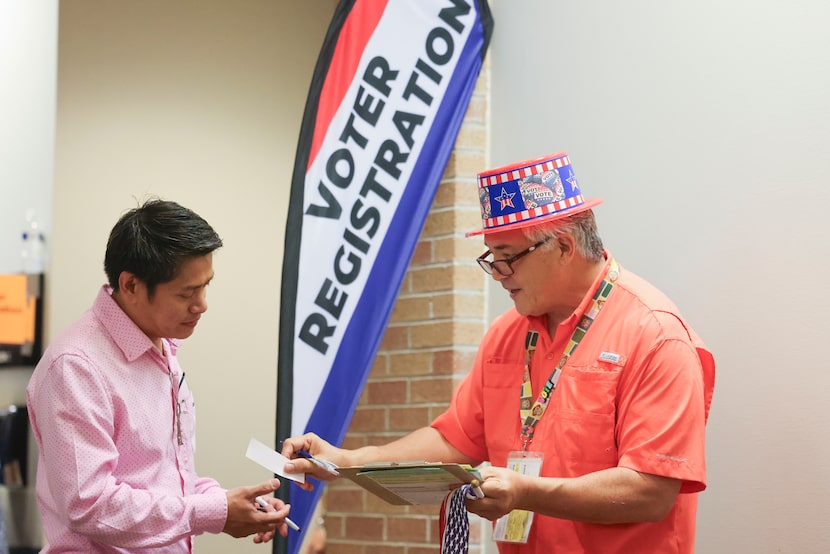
112, 476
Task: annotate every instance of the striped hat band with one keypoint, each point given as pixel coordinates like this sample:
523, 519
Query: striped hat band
528, 193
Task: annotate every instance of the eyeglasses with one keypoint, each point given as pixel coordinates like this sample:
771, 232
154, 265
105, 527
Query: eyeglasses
504, 267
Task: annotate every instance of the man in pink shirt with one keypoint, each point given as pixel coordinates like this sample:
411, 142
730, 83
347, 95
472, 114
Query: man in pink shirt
112, 413
589, 397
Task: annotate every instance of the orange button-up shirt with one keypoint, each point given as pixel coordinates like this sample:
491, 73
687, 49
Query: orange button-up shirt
635, 394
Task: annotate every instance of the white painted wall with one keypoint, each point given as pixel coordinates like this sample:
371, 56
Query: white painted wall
28, 74
705, 126
28, 71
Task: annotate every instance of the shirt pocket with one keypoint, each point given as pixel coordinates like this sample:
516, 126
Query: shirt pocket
188, 416
586, 400
500, 406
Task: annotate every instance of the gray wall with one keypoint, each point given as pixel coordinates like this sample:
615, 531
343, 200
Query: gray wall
28, 71
28, 74
705, 127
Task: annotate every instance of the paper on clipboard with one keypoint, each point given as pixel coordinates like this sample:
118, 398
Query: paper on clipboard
416, 483
271, 459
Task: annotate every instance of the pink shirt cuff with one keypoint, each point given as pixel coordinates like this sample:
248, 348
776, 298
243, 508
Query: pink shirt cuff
210, 512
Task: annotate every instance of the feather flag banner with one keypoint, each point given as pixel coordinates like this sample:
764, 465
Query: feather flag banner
388, 95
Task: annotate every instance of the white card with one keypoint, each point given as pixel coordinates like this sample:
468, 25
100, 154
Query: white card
271, 459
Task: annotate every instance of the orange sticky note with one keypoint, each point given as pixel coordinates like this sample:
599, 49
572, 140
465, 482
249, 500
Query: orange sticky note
17, 310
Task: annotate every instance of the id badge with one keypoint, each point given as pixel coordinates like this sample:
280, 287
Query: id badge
515, 526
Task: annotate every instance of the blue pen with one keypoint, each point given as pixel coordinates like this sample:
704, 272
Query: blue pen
324, 464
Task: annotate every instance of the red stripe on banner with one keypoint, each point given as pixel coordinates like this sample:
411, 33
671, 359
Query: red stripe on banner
358, 29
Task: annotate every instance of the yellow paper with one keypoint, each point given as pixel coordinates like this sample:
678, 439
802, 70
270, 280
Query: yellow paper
517, 523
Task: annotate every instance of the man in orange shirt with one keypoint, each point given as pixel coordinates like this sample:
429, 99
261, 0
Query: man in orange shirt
589, 397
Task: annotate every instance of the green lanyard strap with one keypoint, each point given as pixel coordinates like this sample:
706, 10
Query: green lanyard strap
531, 414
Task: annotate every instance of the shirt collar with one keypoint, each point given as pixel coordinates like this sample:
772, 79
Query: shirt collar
129, 338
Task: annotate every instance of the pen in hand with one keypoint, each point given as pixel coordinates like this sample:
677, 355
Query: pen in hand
323, 464
263, 506
475, 486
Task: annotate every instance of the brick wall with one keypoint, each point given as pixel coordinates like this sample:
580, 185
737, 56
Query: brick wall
429, 345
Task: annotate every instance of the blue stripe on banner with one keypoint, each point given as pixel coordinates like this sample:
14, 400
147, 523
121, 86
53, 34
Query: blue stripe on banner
339, 396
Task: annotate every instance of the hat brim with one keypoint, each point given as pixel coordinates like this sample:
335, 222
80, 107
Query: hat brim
586, 205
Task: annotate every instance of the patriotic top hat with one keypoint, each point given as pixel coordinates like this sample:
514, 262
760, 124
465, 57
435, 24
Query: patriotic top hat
528, 193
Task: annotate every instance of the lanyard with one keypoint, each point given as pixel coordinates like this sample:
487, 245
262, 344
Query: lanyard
174, 390
178, 406
530, 415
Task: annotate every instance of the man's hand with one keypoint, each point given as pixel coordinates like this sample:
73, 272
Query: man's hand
500, 487
317, 447
245, 518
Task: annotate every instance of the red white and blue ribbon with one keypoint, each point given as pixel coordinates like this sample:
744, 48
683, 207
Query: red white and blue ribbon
454, 522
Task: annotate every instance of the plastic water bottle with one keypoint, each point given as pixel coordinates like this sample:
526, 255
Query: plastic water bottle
33, 244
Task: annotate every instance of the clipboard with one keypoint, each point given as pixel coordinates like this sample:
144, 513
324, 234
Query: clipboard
410, 483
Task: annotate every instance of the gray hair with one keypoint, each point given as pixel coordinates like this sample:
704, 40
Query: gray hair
581, 226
